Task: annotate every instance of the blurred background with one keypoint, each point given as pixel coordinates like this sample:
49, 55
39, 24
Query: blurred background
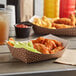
22, 10
35, 7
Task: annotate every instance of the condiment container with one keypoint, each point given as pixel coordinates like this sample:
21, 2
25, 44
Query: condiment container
23, 32
67, 7
51, 8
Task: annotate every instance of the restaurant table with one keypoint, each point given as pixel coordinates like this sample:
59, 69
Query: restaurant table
12, 67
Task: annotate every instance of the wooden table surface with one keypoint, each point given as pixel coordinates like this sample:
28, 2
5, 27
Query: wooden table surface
10, 66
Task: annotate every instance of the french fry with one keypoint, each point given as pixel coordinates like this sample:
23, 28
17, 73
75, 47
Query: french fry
37, 21
44, 24
52, 27
56, 23
45, 19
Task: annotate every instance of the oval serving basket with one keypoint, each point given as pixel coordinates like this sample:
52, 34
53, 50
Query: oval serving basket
29, 57
60, 32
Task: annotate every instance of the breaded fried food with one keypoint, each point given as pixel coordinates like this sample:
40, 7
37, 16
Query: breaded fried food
39, 40
47, 46
53, 19
41, 48
56, 23
58, 43
65, 21
61, 26
75, 21
72, 17
56, 49
50, 44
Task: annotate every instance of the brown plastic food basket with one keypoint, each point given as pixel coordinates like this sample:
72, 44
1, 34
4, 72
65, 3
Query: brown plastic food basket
60, 32
29, 57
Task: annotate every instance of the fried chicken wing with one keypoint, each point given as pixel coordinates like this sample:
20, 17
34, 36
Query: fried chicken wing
39, 40
56, 49
58, 43
41, 48
50, 44
47, 46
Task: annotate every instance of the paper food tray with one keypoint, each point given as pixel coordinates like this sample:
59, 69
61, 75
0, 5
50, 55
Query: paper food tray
29, 57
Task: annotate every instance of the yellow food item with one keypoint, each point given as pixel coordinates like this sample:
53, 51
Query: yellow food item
43, 22
55, 23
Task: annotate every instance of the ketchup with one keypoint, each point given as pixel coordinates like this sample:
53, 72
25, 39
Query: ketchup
67, 7
22, 26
